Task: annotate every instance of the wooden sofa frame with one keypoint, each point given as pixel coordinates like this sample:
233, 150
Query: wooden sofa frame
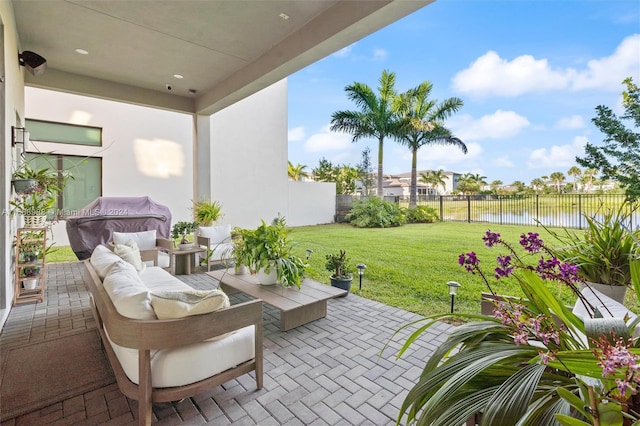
145, 335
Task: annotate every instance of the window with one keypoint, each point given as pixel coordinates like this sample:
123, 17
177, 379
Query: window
85, 186
49, 131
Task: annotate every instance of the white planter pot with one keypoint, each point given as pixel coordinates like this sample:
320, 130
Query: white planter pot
30, 284
616, 292
185, 246
267, 279
241, 269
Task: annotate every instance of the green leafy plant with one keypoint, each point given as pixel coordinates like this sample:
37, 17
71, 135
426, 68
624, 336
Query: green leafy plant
533, 361
182, 229
206, 212
421, 214
603, 251
374, 212
39, 199
31, 271
339, 265
269, 246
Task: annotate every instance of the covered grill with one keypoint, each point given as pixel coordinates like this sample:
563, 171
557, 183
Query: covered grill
95, 223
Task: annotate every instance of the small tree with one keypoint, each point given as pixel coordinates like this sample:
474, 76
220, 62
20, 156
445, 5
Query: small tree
366, 172
619, 156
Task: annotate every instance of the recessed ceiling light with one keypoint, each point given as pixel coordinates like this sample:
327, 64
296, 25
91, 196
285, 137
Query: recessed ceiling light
178, 76
82, 51
284, 16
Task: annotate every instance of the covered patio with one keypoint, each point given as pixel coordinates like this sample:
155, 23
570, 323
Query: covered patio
329, 371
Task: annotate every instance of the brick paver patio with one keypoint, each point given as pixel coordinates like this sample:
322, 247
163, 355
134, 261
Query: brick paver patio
328, 372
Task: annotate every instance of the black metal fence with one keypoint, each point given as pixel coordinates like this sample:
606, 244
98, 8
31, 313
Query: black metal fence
553, 210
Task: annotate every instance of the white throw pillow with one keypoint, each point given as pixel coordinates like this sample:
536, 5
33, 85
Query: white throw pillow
146, 240
127, 292
216, 234
183, 303
130, 253
102, 259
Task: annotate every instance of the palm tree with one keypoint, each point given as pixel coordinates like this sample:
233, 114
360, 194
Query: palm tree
374, 117
537, 184
557, 178
433, 178
296, 172
470, 183
588, 176
577, 174
423, 124
495, 185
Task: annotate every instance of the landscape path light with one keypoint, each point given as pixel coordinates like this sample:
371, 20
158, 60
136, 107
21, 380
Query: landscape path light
361, 267
309, 251
453, 290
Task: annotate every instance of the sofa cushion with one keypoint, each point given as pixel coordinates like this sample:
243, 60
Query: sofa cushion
102, 259
216, 234
130, 253
180, 304
191, 363
127, 292
146, 240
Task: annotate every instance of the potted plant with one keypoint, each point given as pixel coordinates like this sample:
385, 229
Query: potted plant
533, 361
30, 249
180, 231
206, 212
603, 252
267, 253
239, 252
30, 272
36, 200
341, 270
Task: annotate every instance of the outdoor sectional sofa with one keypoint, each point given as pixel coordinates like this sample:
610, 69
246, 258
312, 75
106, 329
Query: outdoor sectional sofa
205, 344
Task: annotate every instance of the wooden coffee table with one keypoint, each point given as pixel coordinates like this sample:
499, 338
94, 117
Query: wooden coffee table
183, 261
296, 307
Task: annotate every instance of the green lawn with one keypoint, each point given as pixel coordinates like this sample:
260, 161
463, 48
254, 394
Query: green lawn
409, 266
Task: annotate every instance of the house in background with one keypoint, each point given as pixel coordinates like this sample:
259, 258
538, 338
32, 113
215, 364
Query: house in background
220, 64
399, 185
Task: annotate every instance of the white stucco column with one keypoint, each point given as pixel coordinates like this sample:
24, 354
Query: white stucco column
202, 156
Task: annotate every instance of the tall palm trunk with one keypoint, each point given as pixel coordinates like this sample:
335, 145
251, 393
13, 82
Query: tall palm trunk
380, 142
413, 188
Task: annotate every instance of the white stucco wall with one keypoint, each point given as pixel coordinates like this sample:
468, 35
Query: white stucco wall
311, 203
249, 165
145, 151
13, 109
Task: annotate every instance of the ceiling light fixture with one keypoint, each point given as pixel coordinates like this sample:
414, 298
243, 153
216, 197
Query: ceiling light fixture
178, 76
284, 16
82, 51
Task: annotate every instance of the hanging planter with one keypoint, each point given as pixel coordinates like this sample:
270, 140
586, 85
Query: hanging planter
24, 186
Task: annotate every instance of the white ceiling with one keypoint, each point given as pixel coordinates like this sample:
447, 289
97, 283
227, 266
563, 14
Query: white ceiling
225, 49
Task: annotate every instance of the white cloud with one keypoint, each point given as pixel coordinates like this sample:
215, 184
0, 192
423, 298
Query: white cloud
572, 122
607, 73
501, 124
503, 161
557, 155
326, 140
380, 54
296, 134
491, 75
430, 155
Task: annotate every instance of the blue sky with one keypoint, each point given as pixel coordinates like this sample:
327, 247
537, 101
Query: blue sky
530, 74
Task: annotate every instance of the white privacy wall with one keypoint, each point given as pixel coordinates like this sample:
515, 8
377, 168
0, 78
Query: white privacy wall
249, 155
145, 151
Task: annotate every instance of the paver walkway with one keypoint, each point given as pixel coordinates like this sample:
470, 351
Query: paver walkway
327, 372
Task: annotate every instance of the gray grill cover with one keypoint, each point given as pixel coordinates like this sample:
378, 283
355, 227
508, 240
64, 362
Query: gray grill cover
95, 223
